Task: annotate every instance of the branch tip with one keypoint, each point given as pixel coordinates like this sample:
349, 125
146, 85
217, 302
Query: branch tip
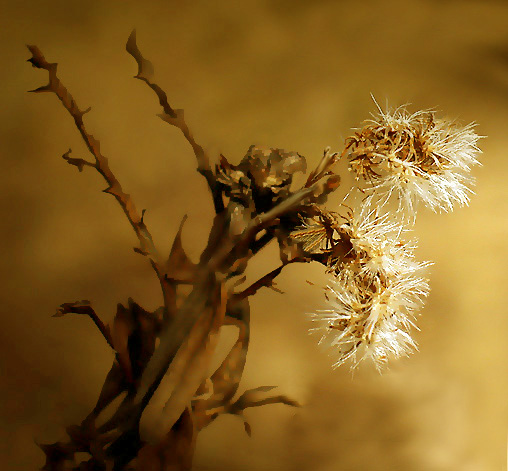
85, 111
175, 117
79, 163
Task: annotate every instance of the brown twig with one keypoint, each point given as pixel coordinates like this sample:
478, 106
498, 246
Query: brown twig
175, 117
84, 307
147, 246
266, 281
79, 163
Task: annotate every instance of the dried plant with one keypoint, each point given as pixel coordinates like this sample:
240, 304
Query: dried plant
374, 295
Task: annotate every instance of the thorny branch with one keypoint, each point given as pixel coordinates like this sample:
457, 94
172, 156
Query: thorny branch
84, 307
101, 162
266, 280
175, 117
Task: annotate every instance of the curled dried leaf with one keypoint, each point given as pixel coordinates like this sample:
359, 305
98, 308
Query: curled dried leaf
221, 387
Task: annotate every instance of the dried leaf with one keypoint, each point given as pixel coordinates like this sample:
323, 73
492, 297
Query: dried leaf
189, 367
253, 398
133, 335
179, 266
226, 379
122, 329
259, 389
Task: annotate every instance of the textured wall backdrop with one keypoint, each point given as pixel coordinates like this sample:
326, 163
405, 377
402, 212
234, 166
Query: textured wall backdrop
291, 74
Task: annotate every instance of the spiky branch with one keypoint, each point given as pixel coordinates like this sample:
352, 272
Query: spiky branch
147, 246
175, 117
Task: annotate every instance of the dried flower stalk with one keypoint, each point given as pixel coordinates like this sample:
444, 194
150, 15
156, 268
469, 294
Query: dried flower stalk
374, 295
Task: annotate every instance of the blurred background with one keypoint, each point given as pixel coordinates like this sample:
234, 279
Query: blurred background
290, 74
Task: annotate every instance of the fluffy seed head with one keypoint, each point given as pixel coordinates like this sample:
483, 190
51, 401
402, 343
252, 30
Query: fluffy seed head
417, 157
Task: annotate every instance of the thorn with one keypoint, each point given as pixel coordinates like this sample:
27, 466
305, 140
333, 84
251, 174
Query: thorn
142, 215
248, 428
132, 37
140, 251
45, 88
223, 162
274, 288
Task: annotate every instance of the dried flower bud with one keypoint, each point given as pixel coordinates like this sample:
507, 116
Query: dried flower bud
375, 293
271, 169
263, 177
417, 157
237, 184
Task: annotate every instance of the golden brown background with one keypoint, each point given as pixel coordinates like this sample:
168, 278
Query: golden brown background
291, 74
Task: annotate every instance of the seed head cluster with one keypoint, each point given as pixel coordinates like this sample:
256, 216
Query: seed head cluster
375, 292
377, 287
